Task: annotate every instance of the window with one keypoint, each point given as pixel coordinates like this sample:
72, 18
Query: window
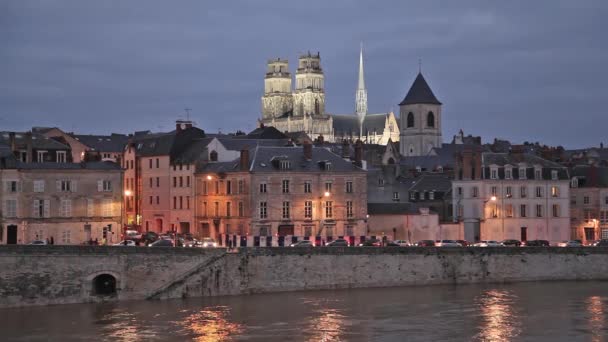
105, 185
328, 187
395, 196
508, 173
522, 210
175, 182
284, 164
150, 163
522, 173
61, 157
188, 181
157, 163
307, 231
308, 209
205, 187
157, 181
241, 186
554, 191
174, 202
187, 202
285, 186
509, 210
380, 182
11, 208
307, 187
494, 211
38, 209
90, 207
539, 210
459, 191
66, 237
228, 209
216, 209
493, 174
539, 191
412, 195
555, 210
157, 199
241, 209
508, 192
285, 209
39, 185
204, 209
588, 214
538, 174
554, 174
65, 208
151, 182
493, 190
106, 207
474, 192
151, 199
410, 119
41, 156
65, 186
523, 192
329, 209
574, 182
213, 156
349, 187
263, 210
573, 199
228, 187
603, 217
349, 209
12, 186
217, 187
181, 202
606, 200
181, 181
327, 166
265, 231
586, 200
263, 187
430, 120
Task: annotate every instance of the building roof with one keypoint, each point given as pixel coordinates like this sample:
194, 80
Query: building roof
420, 92
39, 141
501, 159
266, 132
349, 124
432, 182
104, 165
262, 160
103, 143
218, 167
590, 176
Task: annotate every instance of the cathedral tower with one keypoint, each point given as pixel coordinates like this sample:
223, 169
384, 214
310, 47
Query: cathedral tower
277, 100
361, 95
309, 96
420, 120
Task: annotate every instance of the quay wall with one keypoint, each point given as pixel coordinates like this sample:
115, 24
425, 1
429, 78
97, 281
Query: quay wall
44, 275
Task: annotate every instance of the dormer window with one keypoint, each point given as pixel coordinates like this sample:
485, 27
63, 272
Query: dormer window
493, 173
574, 182
508, 173
328, 166
538, 174
285, 165
380, 182
554, 174
522, 173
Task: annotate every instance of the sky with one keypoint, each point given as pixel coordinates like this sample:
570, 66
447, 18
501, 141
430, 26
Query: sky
519, 70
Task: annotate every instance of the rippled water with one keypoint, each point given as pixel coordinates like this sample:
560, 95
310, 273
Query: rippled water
544, 311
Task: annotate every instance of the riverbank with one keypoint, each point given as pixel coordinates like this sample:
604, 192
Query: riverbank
43, 275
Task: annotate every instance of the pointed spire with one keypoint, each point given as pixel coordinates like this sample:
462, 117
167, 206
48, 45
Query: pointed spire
420, 92
361, 80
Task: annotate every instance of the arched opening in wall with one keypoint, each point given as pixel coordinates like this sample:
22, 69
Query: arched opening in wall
159, 225
410, 119
104, 285
391, 161
317, 109
213, 156
430, 119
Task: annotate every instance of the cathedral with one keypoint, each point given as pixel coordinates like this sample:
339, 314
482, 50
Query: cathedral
303, 109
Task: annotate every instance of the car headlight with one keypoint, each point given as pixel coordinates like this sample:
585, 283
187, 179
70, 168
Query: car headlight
215, 244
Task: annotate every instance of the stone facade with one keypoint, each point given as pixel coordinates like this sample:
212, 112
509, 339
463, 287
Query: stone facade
589, 203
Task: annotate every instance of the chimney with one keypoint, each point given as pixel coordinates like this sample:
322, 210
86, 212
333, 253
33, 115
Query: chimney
12, 142
244, 161
359, 153
30, 147
307, 150
345, 149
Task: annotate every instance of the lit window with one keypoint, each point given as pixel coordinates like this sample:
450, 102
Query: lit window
349, 187
262, 187
263, 210
285, 186
349, 209
329, 212
308, 209
554, 191
307, 187
286, 210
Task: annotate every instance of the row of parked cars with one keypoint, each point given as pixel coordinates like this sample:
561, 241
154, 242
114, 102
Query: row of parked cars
453, 243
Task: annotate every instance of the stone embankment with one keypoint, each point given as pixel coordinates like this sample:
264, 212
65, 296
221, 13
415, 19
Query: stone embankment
41, 275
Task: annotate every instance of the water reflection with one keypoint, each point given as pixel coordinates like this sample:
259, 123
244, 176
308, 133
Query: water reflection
211, 324
326, 321
595, 311
121, 325
499, 319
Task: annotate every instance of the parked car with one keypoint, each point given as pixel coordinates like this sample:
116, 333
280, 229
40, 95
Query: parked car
571, 243
601, 243
487, 243
133, 235
392, 244
38, 243
536, 243
208, 243
149, 236
371, 243
162, 243
402, 243
511, 243
448, 243
128, 243
338, 243
425, 243
463, 243
302, 243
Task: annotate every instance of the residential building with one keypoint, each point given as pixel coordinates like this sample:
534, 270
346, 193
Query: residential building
589, 202
512, 195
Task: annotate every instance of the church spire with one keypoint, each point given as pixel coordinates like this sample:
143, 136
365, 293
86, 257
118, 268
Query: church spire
361, 95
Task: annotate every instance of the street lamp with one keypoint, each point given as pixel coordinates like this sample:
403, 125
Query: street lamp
327, 194
209, 177
128, 193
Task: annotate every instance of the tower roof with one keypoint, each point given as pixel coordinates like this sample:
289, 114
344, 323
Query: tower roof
420, 92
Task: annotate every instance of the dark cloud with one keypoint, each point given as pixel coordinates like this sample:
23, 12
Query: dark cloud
522, 70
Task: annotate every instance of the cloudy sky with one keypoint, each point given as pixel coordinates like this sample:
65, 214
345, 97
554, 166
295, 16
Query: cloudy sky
520, 70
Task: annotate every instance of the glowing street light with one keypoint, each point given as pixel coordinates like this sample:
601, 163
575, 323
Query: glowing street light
493, 198
327, 194
128, 193
209, 177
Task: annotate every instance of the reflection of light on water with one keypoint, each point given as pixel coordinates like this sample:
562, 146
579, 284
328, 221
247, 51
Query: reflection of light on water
500, 322
327, 325
122, 327
211, 324
595, 309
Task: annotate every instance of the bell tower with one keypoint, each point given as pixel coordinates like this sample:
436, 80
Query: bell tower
277, 100
420, 120
309, 95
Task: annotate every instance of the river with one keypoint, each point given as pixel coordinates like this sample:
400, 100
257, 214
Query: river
540, 311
